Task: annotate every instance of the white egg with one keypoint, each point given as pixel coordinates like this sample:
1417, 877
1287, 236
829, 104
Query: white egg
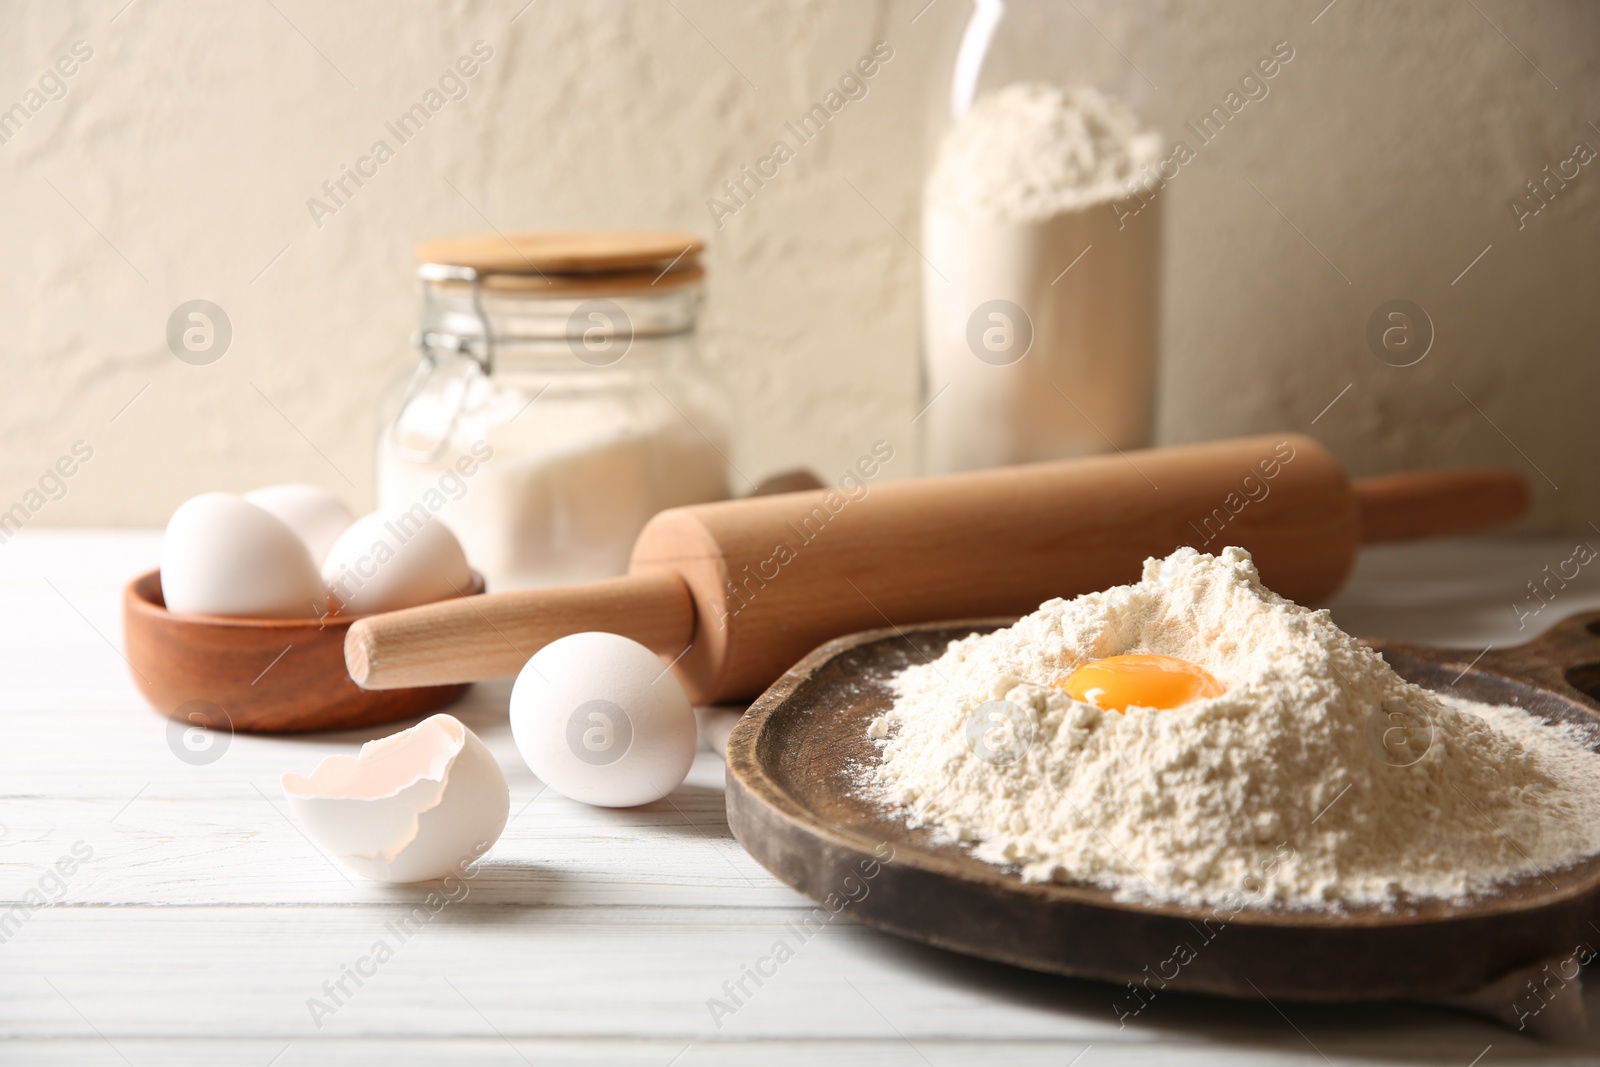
222, 555
600, 719
392, 560
411, 807
316, 516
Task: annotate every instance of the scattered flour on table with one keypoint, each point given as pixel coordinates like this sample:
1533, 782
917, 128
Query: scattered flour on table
1319, 779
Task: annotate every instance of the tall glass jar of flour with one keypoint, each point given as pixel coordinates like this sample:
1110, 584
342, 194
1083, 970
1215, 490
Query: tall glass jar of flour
1041, 239
559, 401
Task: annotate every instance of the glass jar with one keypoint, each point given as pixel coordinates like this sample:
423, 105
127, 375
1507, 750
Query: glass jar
559, 402
1041, 238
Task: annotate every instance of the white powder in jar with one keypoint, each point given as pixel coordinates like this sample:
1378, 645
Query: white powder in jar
1023, 186
1031, 150
559, 488
1320, 778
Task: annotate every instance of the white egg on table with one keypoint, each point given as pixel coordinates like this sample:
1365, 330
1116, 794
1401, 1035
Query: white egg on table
316, 515
600, 719
390, 560
411, 807
222, 555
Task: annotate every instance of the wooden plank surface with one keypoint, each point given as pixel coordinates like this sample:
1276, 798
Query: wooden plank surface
204, 921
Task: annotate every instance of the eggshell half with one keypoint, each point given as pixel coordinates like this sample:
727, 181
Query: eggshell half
411, 807
391, 560
316, 515
222, 555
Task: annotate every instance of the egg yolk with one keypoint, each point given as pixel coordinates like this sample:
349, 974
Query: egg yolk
1146, 681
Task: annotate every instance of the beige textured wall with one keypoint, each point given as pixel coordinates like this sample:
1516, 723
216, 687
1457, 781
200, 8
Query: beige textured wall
178, 164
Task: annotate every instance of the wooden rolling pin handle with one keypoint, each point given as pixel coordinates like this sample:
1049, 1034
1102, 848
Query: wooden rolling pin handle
493, 635
1403, 507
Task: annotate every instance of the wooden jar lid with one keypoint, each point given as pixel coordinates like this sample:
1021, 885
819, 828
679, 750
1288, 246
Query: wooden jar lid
565, 252
613, 283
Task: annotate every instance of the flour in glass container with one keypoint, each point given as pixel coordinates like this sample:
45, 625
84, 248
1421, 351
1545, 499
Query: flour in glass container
559, 490
1019, 213
1293, 788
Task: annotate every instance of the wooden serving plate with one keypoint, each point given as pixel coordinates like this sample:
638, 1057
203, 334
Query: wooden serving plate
796, 764
256, 675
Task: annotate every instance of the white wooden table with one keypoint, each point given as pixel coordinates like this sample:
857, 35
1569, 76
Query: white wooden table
204, 920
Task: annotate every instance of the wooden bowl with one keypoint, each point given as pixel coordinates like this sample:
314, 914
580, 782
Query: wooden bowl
795, 803
256, 675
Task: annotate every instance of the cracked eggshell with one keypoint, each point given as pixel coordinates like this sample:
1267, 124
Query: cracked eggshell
411, 807
390, 560
316, 515
222, 555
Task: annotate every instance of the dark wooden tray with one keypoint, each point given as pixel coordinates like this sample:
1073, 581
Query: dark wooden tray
795, 765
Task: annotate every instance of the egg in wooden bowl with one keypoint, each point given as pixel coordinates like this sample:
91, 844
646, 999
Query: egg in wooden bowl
254, 638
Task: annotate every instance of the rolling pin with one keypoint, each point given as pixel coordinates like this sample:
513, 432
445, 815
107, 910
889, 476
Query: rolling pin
734, 593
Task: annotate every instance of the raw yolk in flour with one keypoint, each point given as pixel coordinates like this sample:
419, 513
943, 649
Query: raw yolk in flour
1146, 681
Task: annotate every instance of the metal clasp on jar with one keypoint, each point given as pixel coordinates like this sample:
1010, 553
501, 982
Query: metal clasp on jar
423, 440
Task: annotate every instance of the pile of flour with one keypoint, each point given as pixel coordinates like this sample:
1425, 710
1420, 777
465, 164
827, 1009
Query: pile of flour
1031, 150
1319, 779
